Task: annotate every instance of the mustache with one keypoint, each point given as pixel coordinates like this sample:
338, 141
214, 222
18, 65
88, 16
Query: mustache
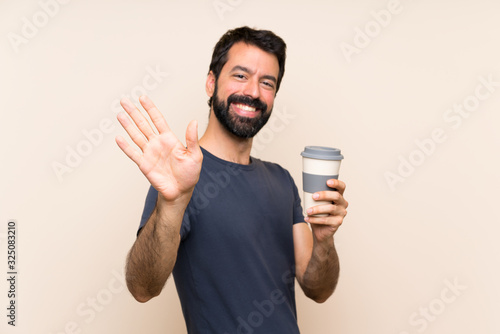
256, 103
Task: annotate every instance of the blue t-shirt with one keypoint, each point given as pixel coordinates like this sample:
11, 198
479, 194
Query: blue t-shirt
235, 268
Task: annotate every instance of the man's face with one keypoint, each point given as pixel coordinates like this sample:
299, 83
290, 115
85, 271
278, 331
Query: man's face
243, 95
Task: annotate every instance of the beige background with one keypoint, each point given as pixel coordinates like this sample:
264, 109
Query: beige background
400, 247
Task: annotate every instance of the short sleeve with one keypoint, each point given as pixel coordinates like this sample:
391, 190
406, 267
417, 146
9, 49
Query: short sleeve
186, 226
149, 207
298, 212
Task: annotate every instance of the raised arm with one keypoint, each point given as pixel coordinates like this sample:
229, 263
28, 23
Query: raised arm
173, 170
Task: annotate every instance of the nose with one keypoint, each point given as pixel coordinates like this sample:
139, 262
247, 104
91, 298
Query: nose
252, 89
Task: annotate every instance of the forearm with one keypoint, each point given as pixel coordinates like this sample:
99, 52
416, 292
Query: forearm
153, 255
321, 275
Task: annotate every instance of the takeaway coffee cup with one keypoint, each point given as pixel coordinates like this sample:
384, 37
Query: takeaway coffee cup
319, 164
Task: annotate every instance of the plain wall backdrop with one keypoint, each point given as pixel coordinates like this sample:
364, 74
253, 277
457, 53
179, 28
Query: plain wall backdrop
409, 90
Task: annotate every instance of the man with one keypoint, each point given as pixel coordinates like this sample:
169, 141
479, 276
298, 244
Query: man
229, 226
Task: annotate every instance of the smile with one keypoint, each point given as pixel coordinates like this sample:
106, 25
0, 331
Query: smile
244, 107
245, 110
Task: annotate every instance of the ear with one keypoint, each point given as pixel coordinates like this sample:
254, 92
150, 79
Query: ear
210, 84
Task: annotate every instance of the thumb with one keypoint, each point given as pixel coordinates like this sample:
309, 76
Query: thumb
193, 146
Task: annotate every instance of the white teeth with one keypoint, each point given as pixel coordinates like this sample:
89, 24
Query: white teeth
245, 107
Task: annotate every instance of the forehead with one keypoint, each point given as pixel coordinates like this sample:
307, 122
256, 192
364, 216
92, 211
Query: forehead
252, 57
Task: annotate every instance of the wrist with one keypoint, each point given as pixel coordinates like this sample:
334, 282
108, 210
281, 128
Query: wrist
171, 212
179, 203
323, 247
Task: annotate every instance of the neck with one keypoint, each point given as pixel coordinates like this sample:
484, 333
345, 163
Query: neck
224, 145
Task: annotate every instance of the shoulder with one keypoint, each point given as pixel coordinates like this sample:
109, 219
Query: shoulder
273, 168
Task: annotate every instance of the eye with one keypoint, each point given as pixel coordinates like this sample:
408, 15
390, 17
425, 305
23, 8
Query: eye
268, 84
239, 76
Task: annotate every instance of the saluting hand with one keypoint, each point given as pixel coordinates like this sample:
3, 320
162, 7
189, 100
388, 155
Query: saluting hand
170, 167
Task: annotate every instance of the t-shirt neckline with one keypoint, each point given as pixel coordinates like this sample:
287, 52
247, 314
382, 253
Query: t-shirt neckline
250, 166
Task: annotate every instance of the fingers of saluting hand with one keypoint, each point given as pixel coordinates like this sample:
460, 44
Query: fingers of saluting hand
145, 132
139, 120
132, 131
155, 115
128, 150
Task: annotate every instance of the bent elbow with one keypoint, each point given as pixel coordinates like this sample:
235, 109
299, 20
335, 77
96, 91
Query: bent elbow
320, 300
141, 295
319, 296
142, 298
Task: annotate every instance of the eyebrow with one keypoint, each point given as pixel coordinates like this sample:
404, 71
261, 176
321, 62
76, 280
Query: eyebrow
247, 70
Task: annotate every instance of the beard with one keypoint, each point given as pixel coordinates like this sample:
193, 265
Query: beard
240, 126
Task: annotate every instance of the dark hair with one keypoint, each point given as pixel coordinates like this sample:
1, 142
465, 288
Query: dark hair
263, 39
